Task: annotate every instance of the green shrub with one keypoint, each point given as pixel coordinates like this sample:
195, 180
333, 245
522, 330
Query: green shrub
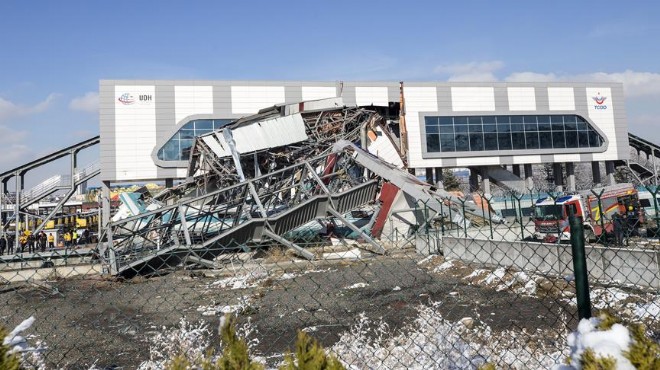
8, 360
310, 356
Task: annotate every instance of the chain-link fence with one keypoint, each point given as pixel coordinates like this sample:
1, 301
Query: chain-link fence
485, 280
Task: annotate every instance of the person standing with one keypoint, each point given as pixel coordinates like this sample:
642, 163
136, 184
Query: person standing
42, 241
30, 242
67, 239
3, 245
10, 244
51, 241
619, 228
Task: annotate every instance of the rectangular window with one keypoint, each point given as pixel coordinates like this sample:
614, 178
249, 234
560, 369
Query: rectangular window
490, 141
474, 120
446, 129
462, 143
432, 143
476, 142
531, 127
461, 128
446, 121
572, 139
532, 140
504, 141
430, 121
490, 128
518, 140
460, 120
583, 139
489, 120
545, 140
558, 141
432, 129
517, 124
447, 143
557, 123
544, 123
475, 128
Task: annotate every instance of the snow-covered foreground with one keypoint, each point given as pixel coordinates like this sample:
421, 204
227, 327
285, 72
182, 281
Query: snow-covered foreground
428, 342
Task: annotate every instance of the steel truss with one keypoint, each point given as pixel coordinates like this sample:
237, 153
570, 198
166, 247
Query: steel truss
241, 216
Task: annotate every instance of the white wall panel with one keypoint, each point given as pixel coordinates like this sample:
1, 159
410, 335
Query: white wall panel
472, 99
566, 158
561, 98
318, 92
371, 95
521, 98
250, 99
189, 100
477, 161
418, 99
135, 132
599, 106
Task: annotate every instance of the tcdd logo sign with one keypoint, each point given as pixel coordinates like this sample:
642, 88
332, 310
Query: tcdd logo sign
126, 99
600, 101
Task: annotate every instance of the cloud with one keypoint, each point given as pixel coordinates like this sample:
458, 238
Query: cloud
11, 136
86, 103
10, 109
15, 154
635, 83
472, 71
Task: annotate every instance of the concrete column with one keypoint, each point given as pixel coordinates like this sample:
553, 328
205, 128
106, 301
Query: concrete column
570, 176
529, 175
474, 179
609, 172
485, 183
516, 169
429, 175
595, 174
439, 178
558, 174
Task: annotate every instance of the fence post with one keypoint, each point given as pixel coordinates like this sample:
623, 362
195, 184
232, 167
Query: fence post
580, 267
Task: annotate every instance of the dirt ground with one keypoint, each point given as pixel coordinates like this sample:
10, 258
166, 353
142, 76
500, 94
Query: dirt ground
106, 322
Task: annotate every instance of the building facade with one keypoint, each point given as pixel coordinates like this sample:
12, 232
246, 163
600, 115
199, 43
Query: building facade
146, 127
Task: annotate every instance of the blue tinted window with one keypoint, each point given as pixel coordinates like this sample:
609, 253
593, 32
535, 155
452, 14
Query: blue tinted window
178, 147
433, 142
504, 141
446, 121
447, 143
518, 132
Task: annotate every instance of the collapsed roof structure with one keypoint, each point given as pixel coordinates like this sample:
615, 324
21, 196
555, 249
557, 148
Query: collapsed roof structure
259, 178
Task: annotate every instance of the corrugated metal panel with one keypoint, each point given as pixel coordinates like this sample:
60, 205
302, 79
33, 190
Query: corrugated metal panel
384, 149
212, 142
260, 135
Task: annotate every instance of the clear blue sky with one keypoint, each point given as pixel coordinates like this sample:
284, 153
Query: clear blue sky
53, 53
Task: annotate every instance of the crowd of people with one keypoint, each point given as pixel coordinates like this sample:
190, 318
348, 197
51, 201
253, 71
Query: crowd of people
31, 243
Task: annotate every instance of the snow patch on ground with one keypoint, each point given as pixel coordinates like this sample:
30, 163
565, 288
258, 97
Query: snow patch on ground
357, 286
649, 310
248, 280
433, 342
444, 266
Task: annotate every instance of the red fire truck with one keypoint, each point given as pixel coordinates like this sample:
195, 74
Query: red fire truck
596, 207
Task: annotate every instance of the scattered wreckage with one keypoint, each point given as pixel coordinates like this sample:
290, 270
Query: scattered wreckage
275, 177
